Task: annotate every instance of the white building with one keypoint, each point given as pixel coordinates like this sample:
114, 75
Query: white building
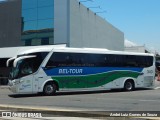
83, 28
132, 47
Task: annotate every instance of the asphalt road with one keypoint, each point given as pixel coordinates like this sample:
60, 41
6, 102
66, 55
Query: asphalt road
139, 100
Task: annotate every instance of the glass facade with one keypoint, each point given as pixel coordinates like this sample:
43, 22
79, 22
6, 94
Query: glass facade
37, 22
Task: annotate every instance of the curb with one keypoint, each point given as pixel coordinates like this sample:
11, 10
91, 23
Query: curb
56, 111
4, 87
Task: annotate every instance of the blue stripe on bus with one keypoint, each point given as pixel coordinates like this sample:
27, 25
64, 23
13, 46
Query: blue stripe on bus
69, 71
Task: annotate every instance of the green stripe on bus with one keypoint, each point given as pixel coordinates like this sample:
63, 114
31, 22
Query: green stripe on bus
90, 81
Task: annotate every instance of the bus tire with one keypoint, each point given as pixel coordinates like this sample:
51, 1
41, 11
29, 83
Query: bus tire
129, 85
49, 89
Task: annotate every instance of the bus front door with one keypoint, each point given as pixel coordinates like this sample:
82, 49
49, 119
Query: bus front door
26, 84
36, 83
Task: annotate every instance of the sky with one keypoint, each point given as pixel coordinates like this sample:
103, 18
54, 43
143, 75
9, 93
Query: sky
138, 19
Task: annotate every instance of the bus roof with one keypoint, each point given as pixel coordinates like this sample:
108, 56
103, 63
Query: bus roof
36, 50
99, 51
13, 51
40, 49
82, 50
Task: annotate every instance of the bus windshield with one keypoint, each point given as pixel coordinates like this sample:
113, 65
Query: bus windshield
24, 67
27, 66
14, 71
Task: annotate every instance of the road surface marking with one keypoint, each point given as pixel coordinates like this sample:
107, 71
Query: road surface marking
157, 88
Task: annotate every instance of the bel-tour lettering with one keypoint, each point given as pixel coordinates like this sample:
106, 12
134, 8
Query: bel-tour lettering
70, 71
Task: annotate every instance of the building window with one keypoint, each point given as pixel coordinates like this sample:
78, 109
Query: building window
42, 3
37, 22
43, 24
45, 13
28, 4
28, 42
45, 41
29, 14
30, 25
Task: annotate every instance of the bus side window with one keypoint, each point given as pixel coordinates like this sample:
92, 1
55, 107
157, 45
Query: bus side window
77, 59
68, 60
52, 61
131, 61
58, 59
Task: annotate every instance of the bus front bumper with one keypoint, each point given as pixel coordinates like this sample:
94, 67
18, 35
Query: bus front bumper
12, 86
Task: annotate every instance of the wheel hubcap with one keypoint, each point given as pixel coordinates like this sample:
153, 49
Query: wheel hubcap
49, 89
129, 86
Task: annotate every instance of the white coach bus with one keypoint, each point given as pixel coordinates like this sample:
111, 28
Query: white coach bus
50, 70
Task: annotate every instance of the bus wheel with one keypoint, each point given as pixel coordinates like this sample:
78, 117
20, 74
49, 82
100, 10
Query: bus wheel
129, 85
50, 89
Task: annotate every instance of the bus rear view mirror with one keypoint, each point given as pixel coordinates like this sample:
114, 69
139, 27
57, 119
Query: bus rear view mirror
9, 62
21, 58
